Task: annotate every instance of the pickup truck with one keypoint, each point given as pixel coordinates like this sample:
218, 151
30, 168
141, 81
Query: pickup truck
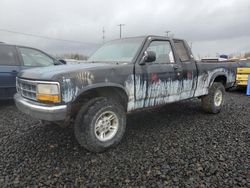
15, 58
122, 76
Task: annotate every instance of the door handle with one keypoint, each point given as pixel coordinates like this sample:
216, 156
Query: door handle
14, 71
177, 68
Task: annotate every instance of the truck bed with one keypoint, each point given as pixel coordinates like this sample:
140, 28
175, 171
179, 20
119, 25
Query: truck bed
207, 71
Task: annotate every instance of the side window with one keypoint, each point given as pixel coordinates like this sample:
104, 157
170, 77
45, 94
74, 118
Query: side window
8, 55
181, 50
163, 50
34, 58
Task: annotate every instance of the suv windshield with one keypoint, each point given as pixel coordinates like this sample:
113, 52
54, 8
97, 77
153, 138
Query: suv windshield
118, 51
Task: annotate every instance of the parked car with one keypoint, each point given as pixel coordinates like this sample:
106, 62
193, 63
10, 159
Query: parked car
122, 76
214, 59
74, 61
15, 58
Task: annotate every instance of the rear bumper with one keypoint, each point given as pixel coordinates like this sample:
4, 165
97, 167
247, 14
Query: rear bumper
40, 111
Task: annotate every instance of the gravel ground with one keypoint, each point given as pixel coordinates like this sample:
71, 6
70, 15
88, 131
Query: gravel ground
176, 145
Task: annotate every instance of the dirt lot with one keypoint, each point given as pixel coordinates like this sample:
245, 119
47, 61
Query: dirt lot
176, 145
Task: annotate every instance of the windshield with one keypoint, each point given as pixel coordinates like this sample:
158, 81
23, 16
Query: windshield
120, 50
33, 58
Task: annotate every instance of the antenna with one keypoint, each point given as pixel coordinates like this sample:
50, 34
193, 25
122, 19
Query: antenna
103, 35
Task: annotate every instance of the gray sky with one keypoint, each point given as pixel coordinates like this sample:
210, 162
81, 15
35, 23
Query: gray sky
213, 26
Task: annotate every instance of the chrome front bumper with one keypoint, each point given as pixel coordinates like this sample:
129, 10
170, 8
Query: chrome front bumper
40, 111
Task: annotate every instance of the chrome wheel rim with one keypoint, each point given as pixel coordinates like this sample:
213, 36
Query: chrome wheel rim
218, 98
106, 126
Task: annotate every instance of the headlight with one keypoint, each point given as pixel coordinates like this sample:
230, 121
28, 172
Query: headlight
48, 92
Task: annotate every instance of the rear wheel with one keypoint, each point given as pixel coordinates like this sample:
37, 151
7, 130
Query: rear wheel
213, 102
100, 125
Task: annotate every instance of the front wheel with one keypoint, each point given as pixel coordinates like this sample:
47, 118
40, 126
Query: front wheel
213, 102
100, 125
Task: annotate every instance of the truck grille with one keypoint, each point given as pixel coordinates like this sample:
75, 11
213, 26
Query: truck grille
26, 88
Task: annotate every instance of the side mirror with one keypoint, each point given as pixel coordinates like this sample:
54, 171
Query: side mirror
149, 56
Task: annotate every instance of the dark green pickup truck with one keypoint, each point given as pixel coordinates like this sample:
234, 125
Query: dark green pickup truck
122, 76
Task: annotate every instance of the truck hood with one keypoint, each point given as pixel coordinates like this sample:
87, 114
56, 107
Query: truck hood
52, 72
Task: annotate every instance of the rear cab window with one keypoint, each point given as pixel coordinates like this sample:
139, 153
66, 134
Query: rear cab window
181, 50
8, 56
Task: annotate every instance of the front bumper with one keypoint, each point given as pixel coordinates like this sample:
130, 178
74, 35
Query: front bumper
40, 111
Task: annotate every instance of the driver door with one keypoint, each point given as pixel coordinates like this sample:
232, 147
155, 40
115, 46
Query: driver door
158, 82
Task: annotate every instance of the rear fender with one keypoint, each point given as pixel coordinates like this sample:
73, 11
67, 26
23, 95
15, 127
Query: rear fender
216, 75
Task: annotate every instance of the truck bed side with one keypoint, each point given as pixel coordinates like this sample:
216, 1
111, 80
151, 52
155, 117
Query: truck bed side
209, 71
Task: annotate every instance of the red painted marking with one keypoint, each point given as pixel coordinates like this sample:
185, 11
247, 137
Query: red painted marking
189, 75
154, 77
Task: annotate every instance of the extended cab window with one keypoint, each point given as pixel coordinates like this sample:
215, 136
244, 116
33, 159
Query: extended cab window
34, 58
163, 50
8, 56
181, 50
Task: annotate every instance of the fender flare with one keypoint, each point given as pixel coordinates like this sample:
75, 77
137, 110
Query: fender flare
102, 85
215, 75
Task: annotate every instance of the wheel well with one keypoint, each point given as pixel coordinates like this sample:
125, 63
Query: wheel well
115, 93
222, 79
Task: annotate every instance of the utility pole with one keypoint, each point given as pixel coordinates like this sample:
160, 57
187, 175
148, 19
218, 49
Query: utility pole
167, 32
103, 35
121, 25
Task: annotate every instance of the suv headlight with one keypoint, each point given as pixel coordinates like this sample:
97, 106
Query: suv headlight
48, 92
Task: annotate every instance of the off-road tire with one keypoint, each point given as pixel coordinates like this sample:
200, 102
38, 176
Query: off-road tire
86, 118
208, 102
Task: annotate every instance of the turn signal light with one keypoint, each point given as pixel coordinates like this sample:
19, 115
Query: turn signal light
48, 98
